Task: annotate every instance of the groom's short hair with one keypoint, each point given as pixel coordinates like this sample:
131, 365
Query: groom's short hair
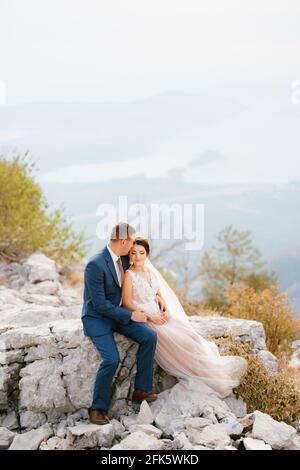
122, 231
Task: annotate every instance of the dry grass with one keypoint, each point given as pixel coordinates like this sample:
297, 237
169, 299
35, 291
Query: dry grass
272, 309
75, 279
277, 394
197, 307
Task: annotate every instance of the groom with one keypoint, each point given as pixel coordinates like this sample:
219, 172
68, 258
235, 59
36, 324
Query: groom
102, 315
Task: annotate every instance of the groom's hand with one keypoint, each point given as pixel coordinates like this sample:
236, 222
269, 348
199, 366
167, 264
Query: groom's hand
139, 316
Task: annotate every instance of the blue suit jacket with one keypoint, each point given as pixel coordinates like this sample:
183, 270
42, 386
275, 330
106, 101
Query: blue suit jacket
102, 295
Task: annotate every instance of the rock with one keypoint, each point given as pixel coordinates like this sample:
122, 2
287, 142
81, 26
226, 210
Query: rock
237, 406
6, 437
38, 268
188, 399
183, 441
209, 413
255, 444
161, 380
48, 368
128, 421
269, 360
119, 429
197, 423
147, 429
139, 440
9, 376
10, 421
74, 417
295, 357
48, 300
145, 415
85, 436
32, 439
45, 288
247, 420
32, 314
10, 357
278, 434
294, 445
61, 429
175, 426
233, 426
54, 443
247, 331
31, 420
214, 436
169, 444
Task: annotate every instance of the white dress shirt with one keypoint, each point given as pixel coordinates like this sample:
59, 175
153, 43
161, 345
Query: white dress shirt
115, 259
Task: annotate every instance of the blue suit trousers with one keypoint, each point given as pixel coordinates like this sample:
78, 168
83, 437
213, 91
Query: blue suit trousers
141, 333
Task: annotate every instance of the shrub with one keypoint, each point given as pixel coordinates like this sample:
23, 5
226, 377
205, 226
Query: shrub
234, 259
26, 225
273, 393
271, 308
197, 307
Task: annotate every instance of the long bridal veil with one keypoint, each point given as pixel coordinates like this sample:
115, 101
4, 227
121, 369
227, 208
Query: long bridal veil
185, 354
171, 299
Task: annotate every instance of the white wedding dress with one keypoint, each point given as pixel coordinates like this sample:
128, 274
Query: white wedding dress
180, 350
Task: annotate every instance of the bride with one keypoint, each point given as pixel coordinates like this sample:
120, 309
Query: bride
180, 350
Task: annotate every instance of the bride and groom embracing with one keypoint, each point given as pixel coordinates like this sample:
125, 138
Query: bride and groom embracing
125, 293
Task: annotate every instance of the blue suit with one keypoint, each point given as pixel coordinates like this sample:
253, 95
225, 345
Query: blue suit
102, 316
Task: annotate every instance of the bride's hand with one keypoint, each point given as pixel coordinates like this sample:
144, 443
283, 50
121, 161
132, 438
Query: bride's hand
158, 319
161, 303
166, 316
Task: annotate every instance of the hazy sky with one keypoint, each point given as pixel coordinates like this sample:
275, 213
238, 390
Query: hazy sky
126, 50
87, 50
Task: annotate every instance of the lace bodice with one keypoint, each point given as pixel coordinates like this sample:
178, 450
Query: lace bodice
143, 292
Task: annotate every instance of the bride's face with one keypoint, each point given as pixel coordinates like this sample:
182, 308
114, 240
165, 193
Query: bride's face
138, 255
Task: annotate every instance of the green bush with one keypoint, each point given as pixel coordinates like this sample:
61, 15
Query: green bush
26, 225
233, 260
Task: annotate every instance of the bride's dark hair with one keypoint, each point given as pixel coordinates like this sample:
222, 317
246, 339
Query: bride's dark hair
143, 242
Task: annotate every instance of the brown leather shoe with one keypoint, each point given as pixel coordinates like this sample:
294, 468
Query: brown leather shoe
98, 417
141, 395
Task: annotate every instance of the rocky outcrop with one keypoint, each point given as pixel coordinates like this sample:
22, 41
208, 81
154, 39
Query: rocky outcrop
47, 370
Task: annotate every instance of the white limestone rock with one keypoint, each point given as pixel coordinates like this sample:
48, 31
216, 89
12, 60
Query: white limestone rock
214, 436
295, 444
30, 420
86, 436
188, 399
6, 437
278, 434
44, 288
197, 423
31, 440
129, 420
233, 426
145, 415
39, 268
248, 331
269, 360
237, 406
139, 440
146, 428
10, 421
55, 443
255, 444
61, 429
